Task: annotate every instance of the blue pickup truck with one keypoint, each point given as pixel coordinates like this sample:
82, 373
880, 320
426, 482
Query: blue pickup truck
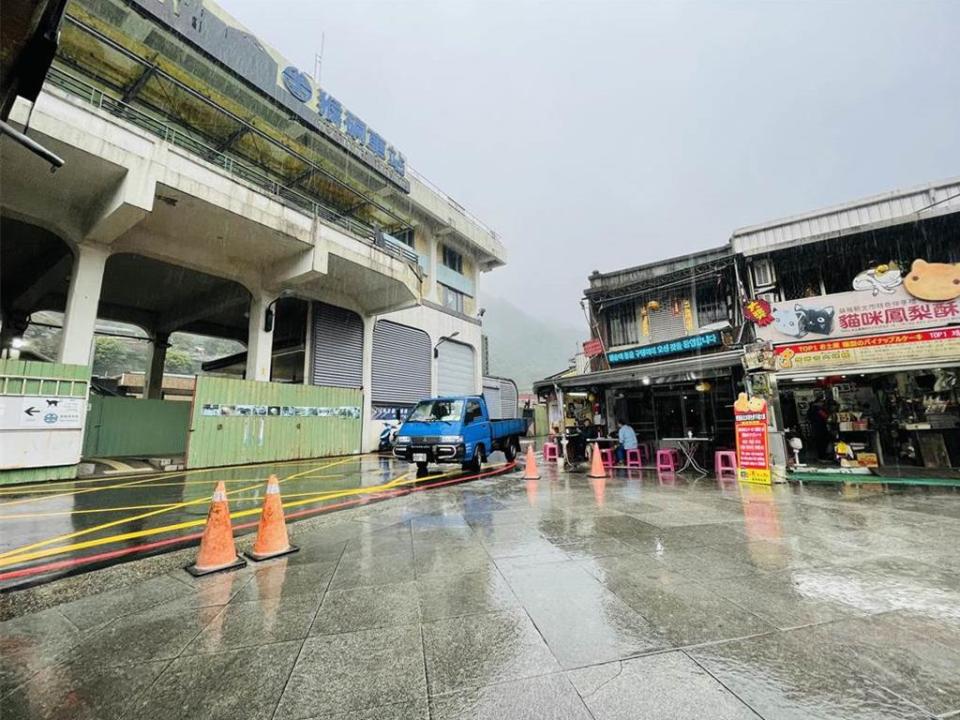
456, 430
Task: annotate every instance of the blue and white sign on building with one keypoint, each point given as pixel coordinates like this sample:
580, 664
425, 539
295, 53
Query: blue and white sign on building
328, 108
666, 348
209, 27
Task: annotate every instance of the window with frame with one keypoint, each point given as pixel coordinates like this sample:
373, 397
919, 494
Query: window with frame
473, 411
405, 236
452, 259
712, 304
451, 299
622, 324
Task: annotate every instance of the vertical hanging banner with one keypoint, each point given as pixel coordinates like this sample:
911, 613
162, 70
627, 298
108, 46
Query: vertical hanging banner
753, 459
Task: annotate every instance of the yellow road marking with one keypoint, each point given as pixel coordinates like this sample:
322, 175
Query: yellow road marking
142, 516
211, 483
20, 489
7, 560
82, 512
24, 501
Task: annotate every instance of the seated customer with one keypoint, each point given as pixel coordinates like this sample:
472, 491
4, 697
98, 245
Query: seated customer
628, 441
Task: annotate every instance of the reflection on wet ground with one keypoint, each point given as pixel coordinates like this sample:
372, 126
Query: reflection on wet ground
52, 528
619, 598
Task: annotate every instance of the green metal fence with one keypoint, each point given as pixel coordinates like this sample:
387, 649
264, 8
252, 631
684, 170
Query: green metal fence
243, 421
26, 378
128, 427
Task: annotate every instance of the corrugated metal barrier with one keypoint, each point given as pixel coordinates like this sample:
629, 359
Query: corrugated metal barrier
244, 421
131, 427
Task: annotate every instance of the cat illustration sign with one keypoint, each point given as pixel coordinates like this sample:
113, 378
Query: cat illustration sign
882, 300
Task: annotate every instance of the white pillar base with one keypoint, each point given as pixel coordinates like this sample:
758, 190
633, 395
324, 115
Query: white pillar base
259, 342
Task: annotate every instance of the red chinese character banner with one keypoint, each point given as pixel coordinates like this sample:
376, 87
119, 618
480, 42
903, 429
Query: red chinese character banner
753, 457
758, 311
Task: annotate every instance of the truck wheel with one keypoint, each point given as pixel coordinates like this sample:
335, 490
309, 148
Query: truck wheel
473, 465
511, 449
421, 470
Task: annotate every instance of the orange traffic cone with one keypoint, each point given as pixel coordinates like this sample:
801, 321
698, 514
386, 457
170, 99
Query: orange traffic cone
217, 551
272, 540
530, 471
596, 466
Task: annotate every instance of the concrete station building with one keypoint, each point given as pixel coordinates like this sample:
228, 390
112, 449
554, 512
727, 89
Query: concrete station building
211, 187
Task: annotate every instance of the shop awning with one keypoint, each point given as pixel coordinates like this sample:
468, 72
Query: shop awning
679, 370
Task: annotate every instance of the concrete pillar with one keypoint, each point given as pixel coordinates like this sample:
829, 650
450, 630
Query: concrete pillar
431, 291
371, 431
259, 341
153, 380
80, 318
308, 347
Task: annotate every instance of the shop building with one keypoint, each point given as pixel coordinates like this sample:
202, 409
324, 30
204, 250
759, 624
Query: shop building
846, 320
856, 313
665, 355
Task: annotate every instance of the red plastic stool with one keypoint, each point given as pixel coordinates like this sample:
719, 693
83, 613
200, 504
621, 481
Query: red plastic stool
606, 455
666, 461
550, 452
725, 461
635, 458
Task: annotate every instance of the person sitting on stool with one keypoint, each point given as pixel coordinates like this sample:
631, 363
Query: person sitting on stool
628, 441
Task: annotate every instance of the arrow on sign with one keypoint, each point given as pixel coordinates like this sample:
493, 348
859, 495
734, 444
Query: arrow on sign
31, 411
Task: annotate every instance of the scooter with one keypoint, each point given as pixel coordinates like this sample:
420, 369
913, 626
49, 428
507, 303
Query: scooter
388, 436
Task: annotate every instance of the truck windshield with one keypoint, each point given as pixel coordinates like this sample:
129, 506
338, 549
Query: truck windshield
434, 410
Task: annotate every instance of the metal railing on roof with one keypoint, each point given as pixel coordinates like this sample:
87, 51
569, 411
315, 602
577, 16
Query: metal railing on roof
453, 203
249, 174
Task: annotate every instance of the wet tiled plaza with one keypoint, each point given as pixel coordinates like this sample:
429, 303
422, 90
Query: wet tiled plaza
562, 598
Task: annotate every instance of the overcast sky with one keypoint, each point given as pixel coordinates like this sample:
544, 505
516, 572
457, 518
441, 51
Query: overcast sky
599, 135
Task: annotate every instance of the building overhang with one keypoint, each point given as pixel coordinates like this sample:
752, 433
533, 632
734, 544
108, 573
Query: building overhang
858, 216
622, 283
683, 369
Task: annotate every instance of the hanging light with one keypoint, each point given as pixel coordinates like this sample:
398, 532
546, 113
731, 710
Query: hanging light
702, 386
653, 305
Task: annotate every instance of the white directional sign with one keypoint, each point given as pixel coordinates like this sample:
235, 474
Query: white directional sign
41, 413
40, 431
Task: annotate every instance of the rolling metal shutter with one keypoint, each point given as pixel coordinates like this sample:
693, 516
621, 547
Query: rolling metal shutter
455, 369
665, 324
509, 399
337, 347
491, 393
401, 364
502, 398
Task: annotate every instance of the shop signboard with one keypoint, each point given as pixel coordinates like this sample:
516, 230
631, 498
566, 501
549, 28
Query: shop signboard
668, 347
859, 312
593, 347
876, 350
753, 457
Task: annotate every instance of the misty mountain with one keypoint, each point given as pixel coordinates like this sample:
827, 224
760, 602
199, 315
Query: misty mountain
527, 349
